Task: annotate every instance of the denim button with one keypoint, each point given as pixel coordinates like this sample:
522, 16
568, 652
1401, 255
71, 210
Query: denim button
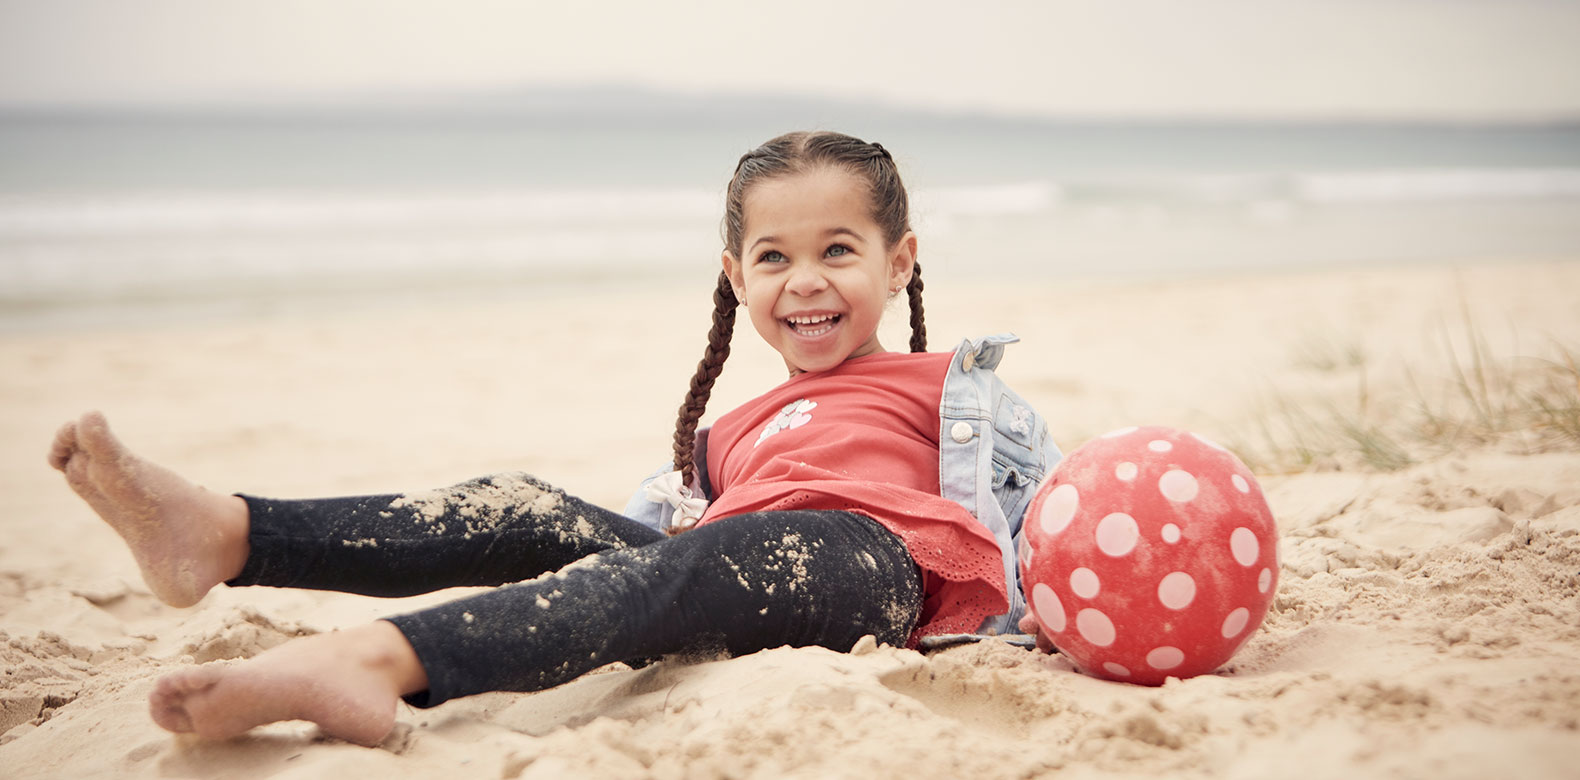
969, 361
961, 432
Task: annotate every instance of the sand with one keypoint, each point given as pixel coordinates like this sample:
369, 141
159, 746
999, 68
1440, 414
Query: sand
1427, 622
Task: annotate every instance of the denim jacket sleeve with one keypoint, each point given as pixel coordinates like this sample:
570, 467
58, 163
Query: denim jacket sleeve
993, 452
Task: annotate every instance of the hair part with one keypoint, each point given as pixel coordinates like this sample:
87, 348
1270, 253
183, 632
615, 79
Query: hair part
794, 153
787, 155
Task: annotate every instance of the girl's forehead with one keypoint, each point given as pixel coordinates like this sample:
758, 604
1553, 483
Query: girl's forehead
822, 193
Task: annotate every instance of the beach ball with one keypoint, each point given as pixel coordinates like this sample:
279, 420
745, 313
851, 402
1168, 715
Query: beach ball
1149, 553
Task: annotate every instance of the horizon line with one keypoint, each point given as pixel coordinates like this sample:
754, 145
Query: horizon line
525, 100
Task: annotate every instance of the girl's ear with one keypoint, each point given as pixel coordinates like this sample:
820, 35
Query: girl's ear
902, 261
732, 269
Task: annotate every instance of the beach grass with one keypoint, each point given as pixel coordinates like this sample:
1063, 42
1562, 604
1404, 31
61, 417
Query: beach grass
1473, 396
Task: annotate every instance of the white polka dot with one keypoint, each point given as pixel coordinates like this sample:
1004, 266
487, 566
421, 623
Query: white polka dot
1243, 544
1209, 442
1159, 445
1171, 533
1049, 610
1178, 486
1115, 669
1176, 590
1165, 657
1264, 580
1084, 582
1125, 471
1058, 509
1240, 484
1235, 622
1120, 432
1117, 534
1095, 627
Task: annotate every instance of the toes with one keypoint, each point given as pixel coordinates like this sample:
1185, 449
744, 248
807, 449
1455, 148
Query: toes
167, 703
89, 435
78, 476
76, 471
93, 432
170, 715
63, 446
107, 475
189, 681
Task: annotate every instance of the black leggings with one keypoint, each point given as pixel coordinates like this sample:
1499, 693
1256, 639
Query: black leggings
600, 587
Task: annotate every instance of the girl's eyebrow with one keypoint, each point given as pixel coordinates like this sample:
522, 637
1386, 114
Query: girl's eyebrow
830, 233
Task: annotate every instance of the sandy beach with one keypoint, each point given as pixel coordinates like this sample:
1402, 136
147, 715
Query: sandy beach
1407, 425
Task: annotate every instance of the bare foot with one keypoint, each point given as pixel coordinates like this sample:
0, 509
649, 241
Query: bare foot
347, 682
186, 539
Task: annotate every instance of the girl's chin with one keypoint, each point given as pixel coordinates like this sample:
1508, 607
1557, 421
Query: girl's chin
811, 353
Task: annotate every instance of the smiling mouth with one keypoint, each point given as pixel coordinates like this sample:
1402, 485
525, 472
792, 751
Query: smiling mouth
815, 325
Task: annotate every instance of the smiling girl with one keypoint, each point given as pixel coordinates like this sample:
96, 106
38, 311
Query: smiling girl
872, 493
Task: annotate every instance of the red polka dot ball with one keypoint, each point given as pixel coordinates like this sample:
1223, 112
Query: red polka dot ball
1149, 553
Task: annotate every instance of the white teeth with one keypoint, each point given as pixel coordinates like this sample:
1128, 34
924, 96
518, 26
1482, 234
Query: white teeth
812, 325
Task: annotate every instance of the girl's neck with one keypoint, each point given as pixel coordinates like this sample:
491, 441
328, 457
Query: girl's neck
795, 372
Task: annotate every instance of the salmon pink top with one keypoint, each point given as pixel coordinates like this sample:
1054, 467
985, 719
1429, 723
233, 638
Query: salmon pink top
863, 437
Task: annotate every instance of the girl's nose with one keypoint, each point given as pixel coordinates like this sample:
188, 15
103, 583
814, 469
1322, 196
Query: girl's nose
806, 280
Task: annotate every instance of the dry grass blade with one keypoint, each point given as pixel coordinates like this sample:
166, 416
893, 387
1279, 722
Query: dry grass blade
1526, 404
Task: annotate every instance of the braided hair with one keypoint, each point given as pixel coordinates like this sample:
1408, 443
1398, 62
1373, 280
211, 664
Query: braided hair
786, 155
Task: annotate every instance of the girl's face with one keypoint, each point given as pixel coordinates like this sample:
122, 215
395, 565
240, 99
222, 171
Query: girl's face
814, 271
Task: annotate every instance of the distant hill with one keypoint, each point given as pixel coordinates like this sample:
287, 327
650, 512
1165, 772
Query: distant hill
603, 105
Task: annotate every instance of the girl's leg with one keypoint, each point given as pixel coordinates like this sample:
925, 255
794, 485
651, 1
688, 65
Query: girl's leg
187, 539
740, 585
737, 586
493, 530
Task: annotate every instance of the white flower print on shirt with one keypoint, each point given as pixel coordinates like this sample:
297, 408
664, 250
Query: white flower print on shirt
793, 415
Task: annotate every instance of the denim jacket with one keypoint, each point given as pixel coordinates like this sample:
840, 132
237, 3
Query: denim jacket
993, 452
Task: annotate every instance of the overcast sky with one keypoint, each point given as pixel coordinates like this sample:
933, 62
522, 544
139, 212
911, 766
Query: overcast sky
1487, 59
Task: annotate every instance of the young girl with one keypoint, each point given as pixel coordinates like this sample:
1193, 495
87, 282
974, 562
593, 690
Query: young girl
871, 493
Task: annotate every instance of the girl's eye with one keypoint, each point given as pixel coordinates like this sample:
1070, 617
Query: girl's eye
837, 250
771, 256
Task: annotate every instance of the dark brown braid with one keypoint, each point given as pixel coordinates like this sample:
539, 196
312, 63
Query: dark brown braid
789, 154
918, 319
708, 369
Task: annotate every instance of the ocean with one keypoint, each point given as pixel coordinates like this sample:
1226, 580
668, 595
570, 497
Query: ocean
112, 215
